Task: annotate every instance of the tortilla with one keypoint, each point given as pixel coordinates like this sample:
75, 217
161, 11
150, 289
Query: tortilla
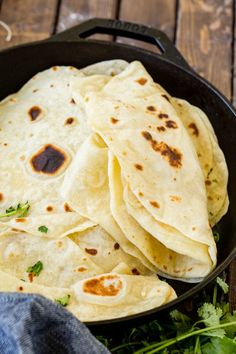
86, 189
157, 158
188, 263
106, 296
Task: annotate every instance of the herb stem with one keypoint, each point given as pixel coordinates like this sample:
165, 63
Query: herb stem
214, 299
157, 347
124, 345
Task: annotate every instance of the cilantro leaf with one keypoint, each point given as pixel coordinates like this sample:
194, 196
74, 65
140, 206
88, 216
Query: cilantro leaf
219, 346
20, 210
36, 269
43, 229
210, 314
222, 285
63, 301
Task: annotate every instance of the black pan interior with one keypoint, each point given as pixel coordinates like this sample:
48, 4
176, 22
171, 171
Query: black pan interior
20, 64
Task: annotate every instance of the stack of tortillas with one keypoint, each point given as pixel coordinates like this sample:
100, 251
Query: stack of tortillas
123, 181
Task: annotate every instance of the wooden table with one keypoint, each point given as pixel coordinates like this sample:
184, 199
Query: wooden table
203, 30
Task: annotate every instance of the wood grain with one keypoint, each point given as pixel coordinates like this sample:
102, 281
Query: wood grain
156, 13
74, 12
29, 20
204, 35
234, 57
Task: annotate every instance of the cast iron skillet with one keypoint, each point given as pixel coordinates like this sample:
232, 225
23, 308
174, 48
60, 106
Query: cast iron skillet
169, 68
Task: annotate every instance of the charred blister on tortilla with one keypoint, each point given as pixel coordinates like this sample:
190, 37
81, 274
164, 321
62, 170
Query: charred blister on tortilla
35, 113
50, 160
105, 285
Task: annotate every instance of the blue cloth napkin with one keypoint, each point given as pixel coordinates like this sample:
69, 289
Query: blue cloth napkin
32, 324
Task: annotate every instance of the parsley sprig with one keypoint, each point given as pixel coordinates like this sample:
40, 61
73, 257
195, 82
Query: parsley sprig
36, 269
63, 301
20, 210
209, 330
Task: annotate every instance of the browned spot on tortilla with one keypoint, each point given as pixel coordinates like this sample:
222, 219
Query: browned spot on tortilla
207, 182
1, 197
189, 269
161, 129
48, 160
138, 167
179, 104
154, 204
165, 267
86, 99
98, 286
172, 155
114, 120
175, 198
5, 144
116, 107
209, 198
59, 244
20, 288
69, 121
151, 108
51, 85
116, 246
91, 251
176, 270
16, 230
193, 228
34, 112
72, 101
12, 99
67, 208
49, 208
20, 219
194, 128
135, 271
171, 124
35, 90
22, 157
170, 257
72, 68
166, 97
124, 153
54, 68
141, 81
81, 269
147, 135
31, 277
140, 194
163, 115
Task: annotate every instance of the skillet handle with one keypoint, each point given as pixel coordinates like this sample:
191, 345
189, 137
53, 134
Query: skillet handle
124, 29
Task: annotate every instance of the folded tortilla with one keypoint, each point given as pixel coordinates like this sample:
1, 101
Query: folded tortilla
157, 157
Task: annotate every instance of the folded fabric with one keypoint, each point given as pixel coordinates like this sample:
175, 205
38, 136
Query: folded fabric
31, 324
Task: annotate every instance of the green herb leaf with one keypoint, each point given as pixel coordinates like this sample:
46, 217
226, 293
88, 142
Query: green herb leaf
210, 314
43, 229
222, 285
216, 236
63, 301
36, 269
219, 346
19, 210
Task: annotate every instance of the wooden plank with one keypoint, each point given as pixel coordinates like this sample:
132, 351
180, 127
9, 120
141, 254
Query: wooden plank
74, 12
156, 13
28, 20
204, 35
234, 57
